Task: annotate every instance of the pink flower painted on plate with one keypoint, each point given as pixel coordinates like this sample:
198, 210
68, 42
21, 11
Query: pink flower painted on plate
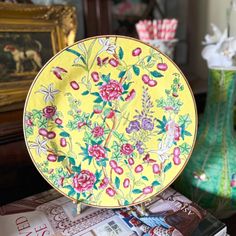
49, 111
162, 66
126, 149
110, 192
111, 114
145, 79
138, 169
97, 151
148, 190
81, 124
52, 157
74, 85
60, 181
113, 164
98, 131
104, 183
152, 83
51, 135
136, 52
59, 72
131, 95
113, 62
131, 161
126, 183
63, 142
29, 122
95, 76
83, 181
111, 91
156, 169
58, 121
176, 160
119, 170
176, 151
173, 129
43, 132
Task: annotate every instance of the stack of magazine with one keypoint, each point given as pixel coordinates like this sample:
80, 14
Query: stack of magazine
50, 214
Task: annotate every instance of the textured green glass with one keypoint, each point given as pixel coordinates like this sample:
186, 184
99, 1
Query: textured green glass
210, 176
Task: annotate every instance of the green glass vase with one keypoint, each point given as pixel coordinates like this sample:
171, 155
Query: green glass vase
209, 178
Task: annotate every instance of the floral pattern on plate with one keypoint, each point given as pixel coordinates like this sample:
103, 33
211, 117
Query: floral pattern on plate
110, 121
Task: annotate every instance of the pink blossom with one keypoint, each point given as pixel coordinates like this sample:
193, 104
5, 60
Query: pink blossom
110, 114
98, 131
52, 157
119, 170
131, 161
97, 151
176, 151
126, 183
111, 91
95, 76
136, 52
131, 95
104, 183
138, 168
113, 164
152, 83
113, 62
63, 142
156, 168
110, 191
49, 111
83, 181
126, 149
74, 85
58, 121
43, 132
145, 78
148, 190
51, 135
176, 160
162, 66
173, 129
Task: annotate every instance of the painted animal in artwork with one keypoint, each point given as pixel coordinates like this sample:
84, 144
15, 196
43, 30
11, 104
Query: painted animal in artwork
19, 56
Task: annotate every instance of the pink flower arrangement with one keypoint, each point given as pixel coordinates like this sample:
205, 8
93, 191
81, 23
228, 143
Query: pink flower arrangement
98, 131
111, 91
49, 111
97, 151
126, 149
83, 181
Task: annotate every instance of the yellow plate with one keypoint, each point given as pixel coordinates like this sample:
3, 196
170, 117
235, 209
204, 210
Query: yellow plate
110, 121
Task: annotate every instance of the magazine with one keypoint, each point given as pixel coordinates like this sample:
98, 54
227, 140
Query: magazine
50, 214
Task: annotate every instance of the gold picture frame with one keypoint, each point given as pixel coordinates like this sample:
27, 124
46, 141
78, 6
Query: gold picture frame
29, 36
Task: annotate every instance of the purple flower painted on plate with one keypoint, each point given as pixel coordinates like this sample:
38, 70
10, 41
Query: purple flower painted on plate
147, 124
134, 125
139, 147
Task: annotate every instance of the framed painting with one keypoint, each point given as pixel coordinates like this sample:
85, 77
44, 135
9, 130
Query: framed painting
29, 36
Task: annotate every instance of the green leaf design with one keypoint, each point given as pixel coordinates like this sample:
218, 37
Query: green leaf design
126, 85
76, 169
106, 78
185, 148
85, 93
149, 58
121, 53
64, 134
156, 74
185, 120
36, 114
136, 69
117, 182
137, 191
72, 160
155, 183
121, 74
167, 167
61, 158
98, 100
126, 202
71, 192
90, 48
145, 178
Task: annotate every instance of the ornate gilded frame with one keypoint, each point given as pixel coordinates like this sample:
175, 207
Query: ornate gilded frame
59, 20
